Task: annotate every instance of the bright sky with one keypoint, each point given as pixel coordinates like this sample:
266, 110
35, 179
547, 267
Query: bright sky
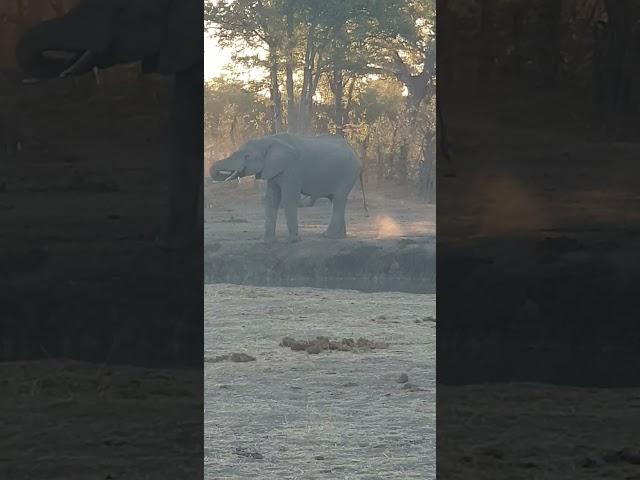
217, 58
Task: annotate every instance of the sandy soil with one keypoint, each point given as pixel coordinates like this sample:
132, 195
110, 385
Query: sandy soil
78, 421
235, 212
337, 414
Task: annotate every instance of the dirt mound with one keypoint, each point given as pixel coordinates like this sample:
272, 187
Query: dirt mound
232, 357
320, 344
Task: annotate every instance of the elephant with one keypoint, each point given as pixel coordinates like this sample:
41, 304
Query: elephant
323, 166
166, 37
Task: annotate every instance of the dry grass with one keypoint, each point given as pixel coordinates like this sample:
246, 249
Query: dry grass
336, 414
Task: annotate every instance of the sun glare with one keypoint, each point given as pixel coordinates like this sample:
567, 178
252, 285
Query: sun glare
218, 62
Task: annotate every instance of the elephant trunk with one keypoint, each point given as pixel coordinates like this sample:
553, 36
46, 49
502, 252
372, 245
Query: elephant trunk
226, 170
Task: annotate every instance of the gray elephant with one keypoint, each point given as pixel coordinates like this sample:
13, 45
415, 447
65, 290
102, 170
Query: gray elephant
166, 36
318, 167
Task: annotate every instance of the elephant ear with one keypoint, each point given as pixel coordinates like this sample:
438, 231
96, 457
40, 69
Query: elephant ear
277, 157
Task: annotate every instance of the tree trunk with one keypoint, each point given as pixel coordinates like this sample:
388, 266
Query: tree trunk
337, 86
347, 110
291, 101
338, 61
379, 165
305, 99
276, 99
363, 157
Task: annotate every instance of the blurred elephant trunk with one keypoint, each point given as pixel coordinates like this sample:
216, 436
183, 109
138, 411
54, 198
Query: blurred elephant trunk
103, 33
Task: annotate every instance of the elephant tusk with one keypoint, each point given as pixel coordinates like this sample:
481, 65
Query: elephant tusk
77, 65
232, 176
58, 55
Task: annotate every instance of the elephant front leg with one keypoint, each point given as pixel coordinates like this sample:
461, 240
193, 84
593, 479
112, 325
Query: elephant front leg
272, 203
290, 200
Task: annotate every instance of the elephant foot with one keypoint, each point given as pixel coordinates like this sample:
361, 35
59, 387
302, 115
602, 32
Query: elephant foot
333, 235
293, 239
269, 239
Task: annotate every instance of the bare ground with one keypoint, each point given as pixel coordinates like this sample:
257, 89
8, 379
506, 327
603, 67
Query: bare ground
538, 431
336, 414
75, 421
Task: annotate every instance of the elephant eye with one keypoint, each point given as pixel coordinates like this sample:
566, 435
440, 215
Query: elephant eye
246, 156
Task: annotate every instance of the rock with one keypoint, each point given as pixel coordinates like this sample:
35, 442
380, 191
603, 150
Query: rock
241, 357
298, 346
234, 357
244, 452
219, 358
403, 378
287, 342
314, 349
411, 387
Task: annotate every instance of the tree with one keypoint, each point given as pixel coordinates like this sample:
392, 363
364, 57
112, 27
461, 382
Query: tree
256, 24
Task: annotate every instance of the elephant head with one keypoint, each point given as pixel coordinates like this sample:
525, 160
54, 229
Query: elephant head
263, 157
165, 34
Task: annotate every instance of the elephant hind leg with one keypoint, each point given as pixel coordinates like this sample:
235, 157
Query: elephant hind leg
337, 226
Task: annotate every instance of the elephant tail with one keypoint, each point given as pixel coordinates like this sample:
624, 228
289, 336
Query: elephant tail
364, 197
